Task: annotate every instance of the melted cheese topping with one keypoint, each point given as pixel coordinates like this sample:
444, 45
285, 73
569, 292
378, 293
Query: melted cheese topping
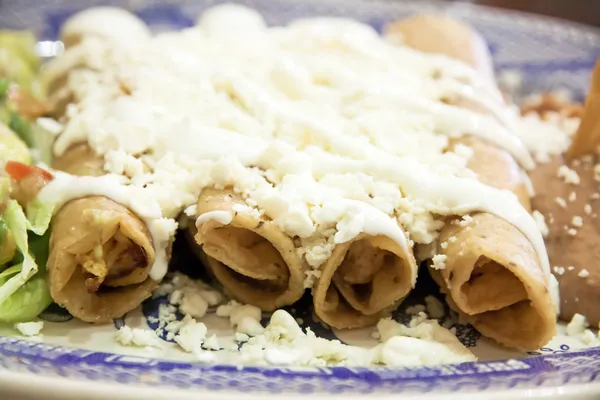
322, 126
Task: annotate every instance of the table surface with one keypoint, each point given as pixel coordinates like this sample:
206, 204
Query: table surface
583, 11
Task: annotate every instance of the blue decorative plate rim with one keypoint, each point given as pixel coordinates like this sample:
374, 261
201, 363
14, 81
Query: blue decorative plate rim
544, 73
572, 368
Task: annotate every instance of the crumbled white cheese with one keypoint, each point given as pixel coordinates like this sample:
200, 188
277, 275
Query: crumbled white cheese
29, 328
570, 268
166, 315
540, 220
595, 196
249, 326
241, 337
561, 202
242, 312
190, 211
588, 337
439, 261
584, 273
568, 175
559, 270
417, 319
193, 304
572, 196
577, 325
245, 317
416, 309
212, 343
225, 310
597, 172
136, 336
587, 209
192, 296
191, 336
435, 308
572, 232
577, 221
425, 342
466, 220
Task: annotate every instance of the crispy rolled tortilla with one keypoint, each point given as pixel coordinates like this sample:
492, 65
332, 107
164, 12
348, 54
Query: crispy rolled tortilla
443, 35
493, 277
254, 260
587, 138
100, 252
363, 280
81, 160
492, 274
100, 258
497, 168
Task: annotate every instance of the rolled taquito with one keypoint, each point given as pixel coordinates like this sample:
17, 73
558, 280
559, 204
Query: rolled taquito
363, 280
253, 259
89, 36
491, 273
100, 252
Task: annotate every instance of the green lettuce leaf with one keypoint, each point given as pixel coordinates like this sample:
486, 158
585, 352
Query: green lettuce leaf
24, 292
42, 140
27, 302
7, 244
17, 224
38, 216
22, 43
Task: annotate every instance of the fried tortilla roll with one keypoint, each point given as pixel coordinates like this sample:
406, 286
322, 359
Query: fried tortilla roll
497, 168
100, 252
100, 258
491, 273
89, 36
442, 35
81, 160
492, 276
363, 280
254, 260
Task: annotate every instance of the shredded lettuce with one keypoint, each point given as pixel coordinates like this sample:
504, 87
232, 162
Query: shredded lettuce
23, 290
7, 243
4, 188
42, 140
16, 69
22, 43
27, 302
12, 147
18, 58
38, 216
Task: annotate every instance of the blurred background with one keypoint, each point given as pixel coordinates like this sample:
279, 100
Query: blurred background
584, 11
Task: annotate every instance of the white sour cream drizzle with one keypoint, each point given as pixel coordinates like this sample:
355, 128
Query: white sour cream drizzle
310, 104
222, 217
64, 188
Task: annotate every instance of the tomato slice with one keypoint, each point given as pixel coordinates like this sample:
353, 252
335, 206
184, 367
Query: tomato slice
19, 171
